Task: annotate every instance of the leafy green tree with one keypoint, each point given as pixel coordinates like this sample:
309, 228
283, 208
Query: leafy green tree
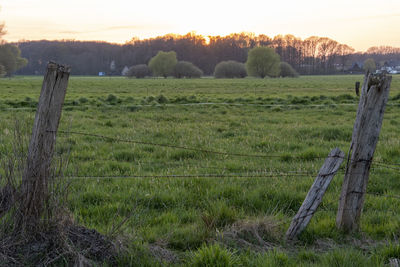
187, 69
10, 58
287, 70
263, 61
369, 65
163, 63
230, 69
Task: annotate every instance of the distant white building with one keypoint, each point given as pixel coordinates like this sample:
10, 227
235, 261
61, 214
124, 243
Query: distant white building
125, 71
391, 67
102, 73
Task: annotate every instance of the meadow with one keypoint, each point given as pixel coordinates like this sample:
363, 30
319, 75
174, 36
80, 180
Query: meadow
212, 170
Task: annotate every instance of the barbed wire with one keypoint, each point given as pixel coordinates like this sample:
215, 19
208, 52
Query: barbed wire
186, 147
395, 104
166, 145
388, 165
255, 174
207, 175
383, 195
214, 175
243, 104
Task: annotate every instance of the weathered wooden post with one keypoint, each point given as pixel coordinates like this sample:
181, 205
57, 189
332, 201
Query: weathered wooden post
374, 96
34, 186
315, 194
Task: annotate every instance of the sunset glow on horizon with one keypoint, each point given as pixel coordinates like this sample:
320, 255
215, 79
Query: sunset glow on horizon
360, 24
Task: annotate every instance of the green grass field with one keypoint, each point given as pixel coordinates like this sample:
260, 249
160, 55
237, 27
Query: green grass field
192, 207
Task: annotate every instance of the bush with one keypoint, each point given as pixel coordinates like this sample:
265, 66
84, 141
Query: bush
138, 71
287, 70
369, 65
230, 69
187, 69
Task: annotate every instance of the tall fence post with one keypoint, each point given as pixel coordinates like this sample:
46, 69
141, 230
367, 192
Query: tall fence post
315, 194
367, 126
34, 186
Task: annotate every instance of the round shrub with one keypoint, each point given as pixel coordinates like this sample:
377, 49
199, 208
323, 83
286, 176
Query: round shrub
138, 71
230, 69
288, 71
187, 69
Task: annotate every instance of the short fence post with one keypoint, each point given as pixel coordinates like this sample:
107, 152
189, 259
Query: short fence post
367, 126
315, 194
357, 87
41, 147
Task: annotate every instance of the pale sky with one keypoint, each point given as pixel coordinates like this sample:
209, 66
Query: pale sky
358, 23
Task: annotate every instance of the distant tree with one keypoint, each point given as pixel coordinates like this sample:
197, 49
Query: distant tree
263, 61
163, 63
369, 65
230, 69
287, 70
10, 58
187, 69
2, 31
138, 71
344, 52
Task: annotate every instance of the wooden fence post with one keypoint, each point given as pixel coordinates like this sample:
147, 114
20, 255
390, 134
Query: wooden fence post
315, 194
357, 87
34, 190
367, 126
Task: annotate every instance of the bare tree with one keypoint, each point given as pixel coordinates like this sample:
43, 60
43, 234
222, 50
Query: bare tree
311, 46
345, 53
327, 49
2, 32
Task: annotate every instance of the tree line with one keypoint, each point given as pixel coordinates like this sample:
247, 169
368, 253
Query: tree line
314, 55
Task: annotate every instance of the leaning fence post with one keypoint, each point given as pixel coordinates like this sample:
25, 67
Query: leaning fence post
315, 194
37, 170
367, 126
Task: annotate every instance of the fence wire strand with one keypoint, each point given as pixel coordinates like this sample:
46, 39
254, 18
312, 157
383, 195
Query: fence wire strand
388, 165
250, 174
